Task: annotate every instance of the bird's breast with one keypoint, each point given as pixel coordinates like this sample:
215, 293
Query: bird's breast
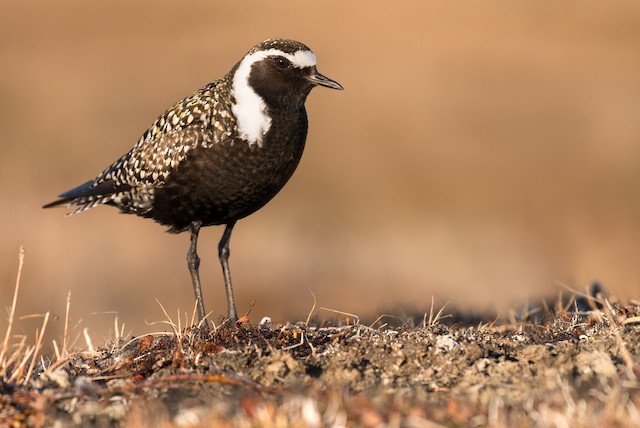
231, 179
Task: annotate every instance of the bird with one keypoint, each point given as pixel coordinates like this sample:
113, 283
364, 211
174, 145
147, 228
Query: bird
216, 156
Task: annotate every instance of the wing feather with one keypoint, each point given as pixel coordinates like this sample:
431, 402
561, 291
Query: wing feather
130, 181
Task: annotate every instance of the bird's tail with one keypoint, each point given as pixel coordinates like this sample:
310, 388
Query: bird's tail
88, 195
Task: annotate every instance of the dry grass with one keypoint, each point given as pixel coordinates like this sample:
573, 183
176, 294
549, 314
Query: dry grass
578, 368
17, 358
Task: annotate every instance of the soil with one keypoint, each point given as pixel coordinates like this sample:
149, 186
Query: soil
567, 369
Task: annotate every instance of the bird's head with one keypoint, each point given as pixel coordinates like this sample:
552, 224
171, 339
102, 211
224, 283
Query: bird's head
282, 72
276, 74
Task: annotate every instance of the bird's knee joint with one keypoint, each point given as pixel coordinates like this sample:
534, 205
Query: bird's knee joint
224, 253
193, 260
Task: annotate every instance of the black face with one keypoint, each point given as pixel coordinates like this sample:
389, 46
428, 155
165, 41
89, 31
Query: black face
279, 83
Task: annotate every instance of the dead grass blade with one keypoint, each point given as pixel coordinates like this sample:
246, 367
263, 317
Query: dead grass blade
38, 346
592, 300
433, 320
65, 336
377, 320
313, 308
5, 343
17, 353
87, 339
17, 373
357, 318
174, 326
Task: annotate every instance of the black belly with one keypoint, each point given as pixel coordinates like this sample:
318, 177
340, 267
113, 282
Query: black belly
226, 182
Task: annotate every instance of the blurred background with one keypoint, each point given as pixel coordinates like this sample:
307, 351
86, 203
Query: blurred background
483, 153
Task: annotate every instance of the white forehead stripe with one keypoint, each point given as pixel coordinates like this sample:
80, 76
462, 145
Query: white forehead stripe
300, 59
250, 109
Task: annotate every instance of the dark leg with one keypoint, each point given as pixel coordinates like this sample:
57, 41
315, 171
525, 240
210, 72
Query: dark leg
223, 254
193, 261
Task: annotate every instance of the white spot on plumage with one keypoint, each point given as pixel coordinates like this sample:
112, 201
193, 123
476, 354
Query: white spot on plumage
250, 109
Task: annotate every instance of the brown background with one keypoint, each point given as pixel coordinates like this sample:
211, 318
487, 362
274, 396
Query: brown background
482, 152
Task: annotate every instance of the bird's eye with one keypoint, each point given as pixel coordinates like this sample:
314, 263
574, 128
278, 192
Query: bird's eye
282, 63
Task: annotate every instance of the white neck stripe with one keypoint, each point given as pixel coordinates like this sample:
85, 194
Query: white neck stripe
249, 108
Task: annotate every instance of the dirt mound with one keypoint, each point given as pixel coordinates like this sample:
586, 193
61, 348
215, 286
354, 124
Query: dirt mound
575, 369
